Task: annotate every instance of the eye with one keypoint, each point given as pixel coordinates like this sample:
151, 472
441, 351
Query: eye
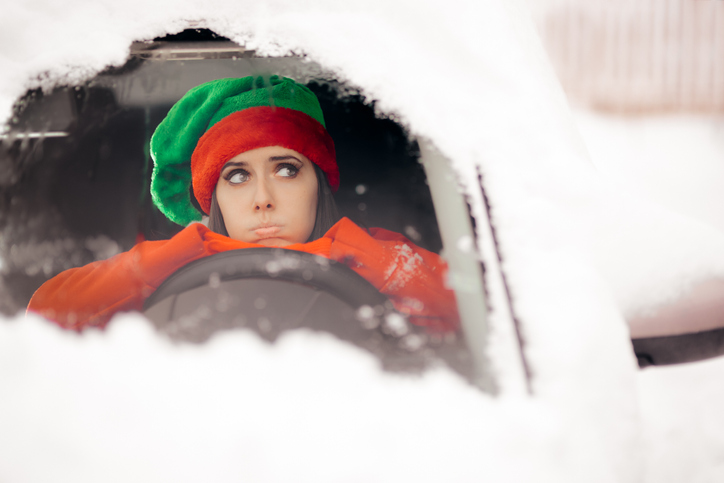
287, 170
237, 176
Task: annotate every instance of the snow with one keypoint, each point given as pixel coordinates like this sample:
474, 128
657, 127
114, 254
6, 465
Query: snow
580, 251
403, 267
672, 160
126, 405
43, 256
683, 425
663, 231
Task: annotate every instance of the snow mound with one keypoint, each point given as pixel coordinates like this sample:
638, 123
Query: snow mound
126, 405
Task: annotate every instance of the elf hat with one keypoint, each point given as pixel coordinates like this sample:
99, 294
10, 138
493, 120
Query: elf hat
216, 121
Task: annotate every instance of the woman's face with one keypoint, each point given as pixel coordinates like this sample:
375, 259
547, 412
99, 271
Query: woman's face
268, 196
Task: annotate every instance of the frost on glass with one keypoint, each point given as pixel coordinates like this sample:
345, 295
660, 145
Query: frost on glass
75, 173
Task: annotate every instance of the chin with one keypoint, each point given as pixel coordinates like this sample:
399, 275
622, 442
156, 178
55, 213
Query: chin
274, 242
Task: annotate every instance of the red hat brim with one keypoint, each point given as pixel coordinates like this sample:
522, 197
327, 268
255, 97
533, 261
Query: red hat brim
258, 127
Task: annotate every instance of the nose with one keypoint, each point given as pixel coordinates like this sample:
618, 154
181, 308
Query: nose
263, 199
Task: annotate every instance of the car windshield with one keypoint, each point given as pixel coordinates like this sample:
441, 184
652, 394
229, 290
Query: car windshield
82, 153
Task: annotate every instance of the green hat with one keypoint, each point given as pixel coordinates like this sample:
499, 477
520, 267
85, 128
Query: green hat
218, 120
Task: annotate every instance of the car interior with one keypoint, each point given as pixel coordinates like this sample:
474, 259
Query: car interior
76, 163
76, 175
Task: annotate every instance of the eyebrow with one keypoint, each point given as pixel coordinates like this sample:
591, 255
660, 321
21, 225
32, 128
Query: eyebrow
284, 158
272, 159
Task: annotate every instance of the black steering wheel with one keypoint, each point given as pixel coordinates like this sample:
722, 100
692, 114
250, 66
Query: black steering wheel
269, 290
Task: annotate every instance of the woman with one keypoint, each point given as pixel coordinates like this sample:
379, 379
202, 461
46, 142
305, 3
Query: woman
263, 167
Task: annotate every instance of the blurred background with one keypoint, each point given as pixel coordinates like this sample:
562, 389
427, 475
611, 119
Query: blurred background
645, 80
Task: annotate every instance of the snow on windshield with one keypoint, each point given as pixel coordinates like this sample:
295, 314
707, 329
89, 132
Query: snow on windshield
580, 256
128, 406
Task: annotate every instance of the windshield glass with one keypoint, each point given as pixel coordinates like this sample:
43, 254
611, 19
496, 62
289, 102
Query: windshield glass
78, 172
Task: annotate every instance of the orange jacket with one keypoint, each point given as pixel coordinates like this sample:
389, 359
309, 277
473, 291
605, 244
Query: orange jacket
90, 295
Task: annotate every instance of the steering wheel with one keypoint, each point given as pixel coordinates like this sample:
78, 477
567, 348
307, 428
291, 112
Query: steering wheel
269, 290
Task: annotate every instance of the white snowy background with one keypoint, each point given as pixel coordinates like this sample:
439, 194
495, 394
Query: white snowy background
588, 241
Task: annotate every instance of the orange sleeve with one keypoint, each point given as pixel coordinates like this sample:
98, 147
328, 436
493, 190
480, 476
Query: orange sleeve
412, 277
92, 294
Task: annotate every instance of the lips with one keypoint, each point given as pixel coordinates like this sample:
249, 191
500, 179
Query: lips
266, 231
